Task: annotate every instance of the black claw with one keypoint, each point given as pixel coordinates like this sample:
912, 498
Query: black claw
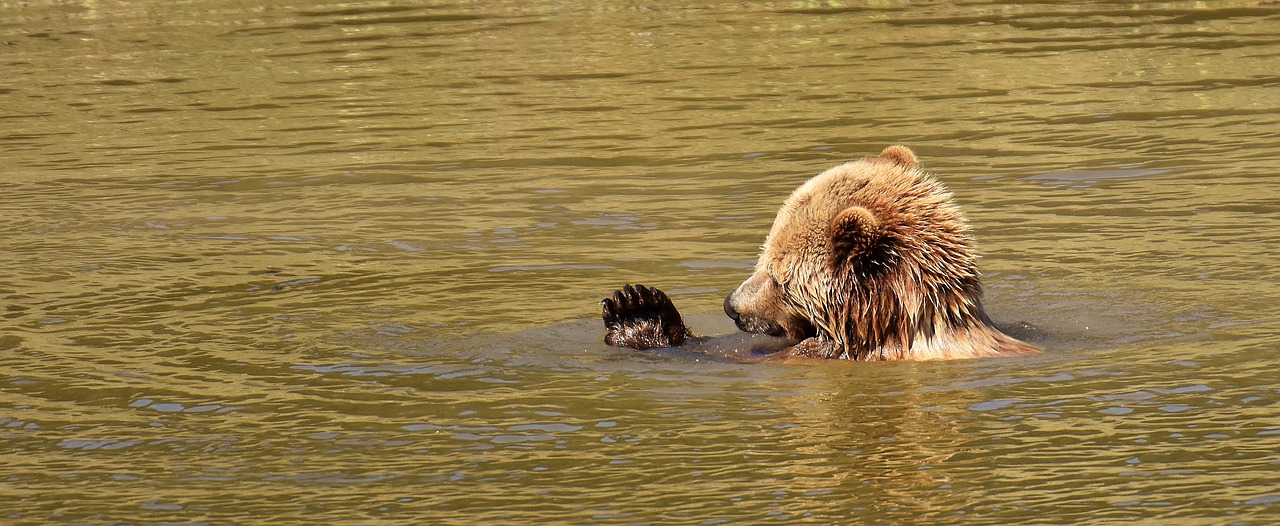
609, 311
660, 297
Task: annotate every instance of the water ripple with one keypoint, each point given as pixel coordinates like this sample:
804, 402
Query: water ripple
339, 263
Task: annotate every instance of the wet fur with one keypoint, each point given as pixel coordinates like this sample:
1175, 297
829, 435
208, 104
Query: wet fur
642, 318
870, 260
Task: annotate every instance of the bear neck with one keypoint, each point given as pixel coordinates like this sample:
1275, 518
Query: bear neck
894, 319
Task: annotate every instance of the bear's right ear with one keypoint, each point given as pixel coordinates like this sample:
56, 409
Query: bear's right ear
855, 230
900, 155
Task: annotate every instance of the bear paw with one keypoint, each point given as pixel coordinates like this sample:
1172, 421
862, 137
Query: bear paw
642, 318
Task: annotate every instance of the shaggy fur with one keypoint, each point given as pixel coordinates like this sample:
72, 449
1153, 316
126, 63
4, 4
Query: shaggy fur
870, 260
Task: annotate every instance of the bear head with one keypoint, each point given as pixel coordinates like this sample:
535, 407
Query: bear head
874, 257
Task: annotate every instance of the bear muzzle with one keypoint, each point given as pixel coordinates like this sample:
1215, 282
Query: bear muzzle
743, 306
750, 324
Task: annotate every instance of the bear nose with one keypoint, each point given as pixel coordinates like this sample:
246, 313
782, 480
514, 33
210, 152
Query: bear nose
728, 308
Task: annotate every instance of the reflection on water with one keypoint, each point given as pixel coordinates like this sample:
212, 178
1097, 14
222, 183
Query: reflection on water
339, 263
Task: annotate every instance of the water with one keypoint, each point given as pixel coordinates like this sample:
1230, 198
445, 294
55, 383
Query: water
339, 262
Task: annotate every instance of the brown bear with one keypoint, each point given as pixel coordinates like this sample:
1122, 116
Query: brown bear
870, 260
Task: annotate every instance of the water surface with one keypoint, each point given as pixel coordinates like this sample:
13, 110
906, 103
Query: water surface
339, 262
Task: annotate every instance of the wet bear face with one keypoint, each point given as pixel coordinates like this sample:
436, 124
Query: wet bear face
760, 305
850, 253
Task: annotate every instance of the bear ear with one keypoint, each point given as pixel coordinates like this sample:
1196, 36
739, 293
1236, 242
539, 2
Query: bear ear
854, 231
900, 155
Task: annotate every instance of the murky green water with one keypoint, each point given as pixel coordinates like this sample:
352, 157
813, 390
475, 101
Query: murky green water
338, 263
